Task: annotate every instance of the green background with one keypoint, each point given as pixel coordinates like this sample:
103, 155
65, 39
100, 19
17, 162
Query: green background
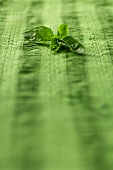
56, 110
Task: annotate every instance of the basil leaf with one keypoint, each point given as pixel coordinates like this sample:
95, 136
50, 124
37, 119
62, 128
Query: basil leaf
41, 33
55, 45
71, 42
80, 49
44, 36
29, 35
74, 45
62, 31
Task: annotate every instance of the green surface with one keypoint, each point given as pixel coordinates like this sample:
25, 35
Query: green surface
56, 110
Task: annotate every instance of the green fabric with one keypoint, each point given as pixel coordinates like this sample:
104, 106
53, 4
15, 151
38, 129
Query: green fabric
56, 110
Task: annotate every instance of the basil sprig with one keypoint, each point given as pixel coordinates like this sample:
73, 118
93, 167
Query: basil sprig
44, 35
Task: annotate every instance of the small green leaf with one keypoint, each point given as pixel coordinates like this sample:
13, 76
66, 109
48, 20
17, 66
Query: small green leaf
71, 42
54, 45
44, 36
74, 45
80, 49
41, 33
29, 35
62, 31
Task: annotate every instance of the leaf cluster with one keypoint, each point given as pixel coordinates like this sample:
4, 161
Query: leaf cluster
44, 35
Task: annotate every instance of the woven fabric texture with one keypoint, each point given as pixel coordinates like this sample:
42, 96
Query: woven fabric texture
56, 110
